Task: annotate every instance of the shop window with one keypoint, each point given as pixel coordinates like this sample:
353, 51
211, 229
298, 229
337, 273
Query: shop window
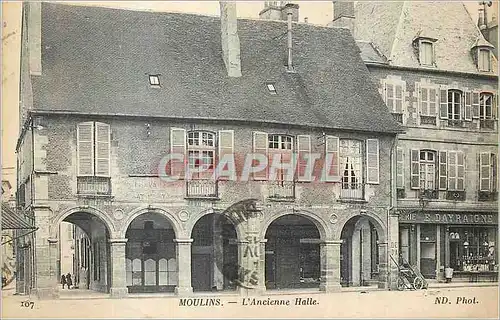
473, 249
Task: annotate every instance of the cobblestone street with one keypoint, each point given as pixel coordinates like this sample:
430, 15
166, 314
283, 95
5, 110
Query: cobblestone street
377, 304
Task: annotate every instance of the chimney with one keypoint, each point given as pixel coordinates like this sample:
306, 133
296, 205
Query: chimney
306, 20
230, 39
343, 15
34, 26
481, 21
289, 20
279, 11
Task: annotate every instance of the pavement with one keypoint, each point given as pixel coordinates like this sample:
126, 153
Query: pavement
477, 301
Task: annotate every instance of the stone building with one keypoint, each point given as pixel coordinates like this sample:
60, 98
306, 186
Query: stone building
438, 78
488, 23
107, 94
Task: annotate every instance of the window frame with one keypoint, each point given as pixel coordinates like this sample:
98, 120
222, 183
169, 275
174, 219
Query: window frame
453, 104
203, 149
94, 157
481, 60
483, 106
426, 162
421, 53
359, 180
154, 80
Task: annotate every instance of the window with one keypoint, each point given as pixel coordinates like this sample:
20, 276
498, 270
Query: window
154, 80
484, 60
473, 248
428, 102
456, 171
486, 106
488, 172
400, 169
393, 95
454, 104
93, 144
427, 170
426, 53
201, 153
351, 168
271, 88
282, 179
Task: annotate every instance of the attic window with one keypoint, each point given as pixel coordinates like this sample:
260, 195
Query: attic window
426, 50
154, 80
484, 59
271, 88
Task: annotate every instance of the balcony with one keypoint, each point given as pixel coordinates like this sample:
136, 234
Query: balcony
487, 124
428, 194
202, 188
487, 196
455, 123
352, 191
281, 190
93, 186
427, 120
455, 195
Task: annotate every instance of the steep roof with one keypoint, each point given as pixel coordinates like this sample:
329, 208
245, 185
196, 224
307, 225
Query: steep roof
97, 60
393, 26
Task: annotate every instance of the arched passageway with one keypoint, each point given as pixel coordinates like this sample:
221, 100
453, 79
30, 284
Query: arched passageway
359, 256
150, 254
84, 253
292, 253
214, 252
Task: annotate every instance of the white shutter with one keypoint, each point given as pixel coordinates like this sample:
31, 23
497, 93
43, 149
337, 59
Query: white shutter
103, 148
452, 170
485, 171
443, 102
424, 101
460, 171
260, 146
468, 107
178, 146
475, 104
494, 109
85, 148
415, 169
372, 161
332, 149
443, 170
433, 101
400, 169
226, 147
303, 148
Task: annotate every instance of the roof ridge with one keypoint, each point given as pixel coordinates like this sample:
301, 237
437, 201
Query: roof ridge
398, 30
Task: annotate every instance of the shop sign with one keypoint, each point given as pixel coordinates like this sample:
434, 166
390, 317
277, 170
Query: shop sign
448, 218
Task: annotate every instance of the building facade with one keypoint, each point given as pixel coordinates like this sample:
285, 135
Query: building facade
438, 78
102, 112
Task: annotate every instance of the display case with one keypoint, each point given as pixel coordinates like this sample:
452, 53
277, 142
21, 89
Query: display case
473, 249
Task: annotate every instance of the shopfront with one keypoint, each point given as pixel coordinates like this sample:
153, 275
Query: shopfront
465, 242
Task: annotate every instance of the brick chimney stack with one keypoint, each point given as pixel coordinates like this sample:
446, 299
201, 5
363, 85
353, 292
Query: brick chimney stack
230, 39
343, 15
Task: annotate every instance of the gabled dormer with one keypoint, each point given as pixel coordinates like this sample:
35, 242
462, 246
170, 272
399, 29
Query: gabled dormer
424, 48
482, 55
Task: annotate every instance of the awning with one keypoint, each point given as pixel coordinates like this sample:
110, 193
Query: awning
13, 220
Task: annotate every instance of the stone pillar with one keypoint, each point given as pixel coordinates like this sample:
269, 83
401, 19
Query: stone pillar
330, 266
46, 256
392, 252
184, 267
383, 267
262, 267
118, 272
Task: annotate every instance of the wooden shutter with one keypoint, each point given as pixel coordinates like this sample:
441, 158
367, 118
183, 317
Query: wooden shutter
485, 171
424, 101
303, 149
226, 148
475, 104
103, 146
372, 161
468, 107
85, 147
494, 107
460, 171
178, 146
400, 169
433, 101
443, 103
415, 169
332, 149
494, 172
390, 92
452, 170
443, 170
418, 90
398, 97
260, 146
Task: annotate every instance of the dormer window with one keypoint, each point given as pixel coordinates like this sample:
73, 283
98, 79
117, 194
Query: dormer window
426, 51
271, 88
484, 59
154, 80
424, 48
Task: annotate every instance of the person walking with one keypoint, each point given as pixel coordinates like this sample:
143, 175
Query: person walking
68, 280
63, 280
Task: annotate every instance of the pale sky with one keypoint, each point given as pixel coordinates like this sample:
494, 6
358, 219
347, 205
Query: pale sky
318, 12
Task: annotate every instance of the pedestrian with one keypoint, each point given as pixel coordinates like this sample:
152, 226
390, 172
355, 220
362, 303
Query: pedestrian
63, 280
68, 280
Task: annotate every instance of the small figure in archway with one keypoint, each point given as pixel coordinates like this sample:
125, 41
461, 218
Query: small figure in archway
63, 280
69, 282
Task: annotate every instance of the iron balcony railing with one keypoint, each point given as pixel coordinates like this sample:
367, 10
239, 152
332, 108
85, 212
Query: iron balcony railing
352, 191
281, 189
93, 186
203, 188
